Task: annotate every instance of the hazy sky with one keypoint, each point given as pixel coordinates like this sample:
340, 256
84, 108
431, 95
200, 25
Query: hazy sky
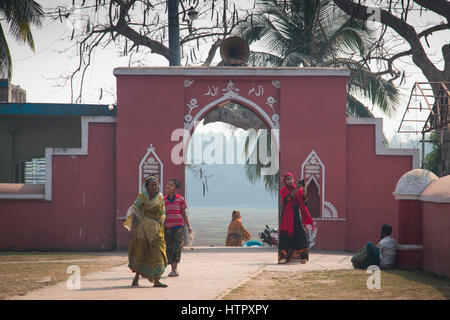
39, 73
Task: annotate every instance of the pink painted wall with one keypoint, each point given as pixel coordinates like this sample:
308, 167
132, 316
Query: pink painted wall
89, 192
313, 120
436, 237
81, 215
331, 235
312, 110
410, 218
371, 180
147, 114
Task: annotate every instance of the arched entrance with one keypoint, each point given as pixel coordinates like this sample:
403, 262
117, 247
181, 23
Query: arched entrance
221, 175
316, 139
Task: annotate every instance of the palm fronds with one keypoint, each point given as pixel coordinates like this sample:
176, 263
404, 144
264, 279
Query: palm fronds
19, 15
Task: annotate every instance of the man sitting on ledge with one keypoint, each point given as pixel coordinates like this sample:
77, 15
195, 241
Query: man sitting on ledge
383, 254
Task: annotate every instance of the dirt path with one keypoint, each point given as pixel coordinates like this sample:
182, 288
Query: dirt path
205, 274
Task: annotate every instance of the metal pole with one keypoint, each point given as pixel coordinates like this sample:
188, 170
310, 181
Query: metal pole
441, 142
174, 33
423, 150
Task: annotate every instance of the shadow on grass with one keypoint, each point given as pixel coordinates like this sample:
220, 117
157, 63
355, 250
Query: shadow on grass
440, 283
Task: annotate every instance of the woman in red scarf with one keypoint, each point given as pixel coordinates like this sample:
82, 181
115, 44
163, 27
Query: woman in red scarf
293, 243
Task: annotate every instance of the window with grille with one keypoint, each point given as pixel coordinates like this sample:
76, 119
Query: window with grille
30, 172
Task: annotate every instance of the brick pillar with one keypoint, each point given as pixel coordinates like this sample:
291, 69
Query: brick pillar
409, 223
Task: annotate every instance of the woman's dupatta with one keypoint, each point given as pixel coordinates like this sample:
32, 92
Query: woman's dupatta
147, 227
287, 211
136, 209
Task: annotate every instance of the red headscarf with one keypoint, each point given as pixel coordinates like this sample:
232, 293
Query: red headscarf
287, 220
287, 175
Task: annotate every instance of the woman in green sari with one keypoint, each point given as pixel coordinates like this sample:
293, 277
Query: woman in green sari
145, 219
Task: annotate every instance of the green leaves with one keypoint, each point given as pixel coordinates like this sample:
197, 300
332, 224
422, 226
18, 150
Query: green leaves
314, 33
19, 16
381, 92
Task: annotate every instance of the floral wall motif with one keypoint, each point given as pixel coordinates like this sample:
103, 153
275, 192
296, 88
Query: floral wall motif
314, 169
201, 96
150, 165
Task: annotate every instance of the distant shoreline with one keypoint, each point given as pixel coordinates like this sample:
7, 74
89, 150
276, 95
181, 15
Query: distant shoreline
238, 207
211, 223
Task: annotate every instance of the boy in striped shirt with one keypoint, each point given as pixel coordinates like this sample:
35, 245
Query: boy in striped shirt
176, 218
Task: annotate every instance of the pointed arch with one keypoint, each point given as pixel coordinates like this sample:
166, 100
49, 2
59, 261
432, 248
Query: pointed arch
232, 95
151, 151
320, 184
314, 199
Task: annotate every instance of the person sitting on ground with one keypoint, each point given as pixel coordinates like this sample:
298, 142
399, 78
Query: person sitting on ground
236, 231
383, 254
387, 248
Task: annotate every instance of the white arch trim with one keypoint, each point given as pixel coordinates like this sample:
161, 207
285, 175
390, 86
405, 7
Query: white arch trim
322, 197
231, 95
151, 149
315, 181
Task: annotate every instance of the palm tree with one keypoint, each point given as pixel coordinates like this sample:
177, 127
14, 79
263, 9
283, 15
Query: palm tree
19, 15
313, 33
253, 171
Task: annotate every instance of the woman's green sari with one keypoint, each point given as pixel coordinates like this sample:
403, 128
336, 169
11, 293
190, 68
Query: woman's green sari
147, 251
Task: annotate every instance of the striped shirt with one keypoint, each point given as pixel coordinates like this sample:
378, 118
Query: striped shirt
174, 208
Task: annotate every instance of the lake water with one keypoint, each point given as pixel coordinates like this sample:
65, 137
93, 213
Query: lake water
211, 223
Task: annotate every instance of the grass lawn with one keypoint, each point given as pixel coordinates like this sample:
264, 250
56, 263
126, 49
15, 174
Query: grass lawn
13, 256
21, 272
343, 285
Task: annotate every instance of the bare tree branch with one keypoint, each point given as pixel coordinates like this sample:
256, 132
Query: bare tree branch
429, 31
402, 28
441, 7
134, 25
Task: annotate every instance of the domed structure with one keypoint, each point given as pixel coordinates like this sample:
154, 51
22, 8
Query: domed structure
437, 191
412, 183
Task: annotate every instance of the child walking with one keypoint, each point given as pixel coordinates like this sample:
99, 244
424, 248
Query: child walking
176, 218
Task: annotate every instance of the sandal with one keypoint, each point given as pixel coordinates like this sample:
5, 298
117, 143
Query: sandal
174, 274
159, 285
